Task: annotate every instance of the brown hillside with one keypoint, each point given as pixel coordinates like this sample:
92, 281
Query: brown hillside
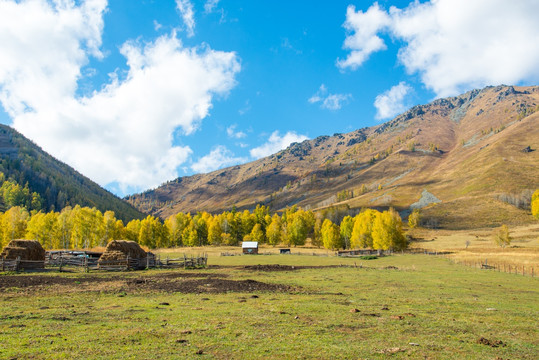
465, 150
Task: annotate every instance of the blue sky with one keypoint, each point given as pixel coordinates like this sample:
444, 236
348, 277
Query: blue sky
136, 93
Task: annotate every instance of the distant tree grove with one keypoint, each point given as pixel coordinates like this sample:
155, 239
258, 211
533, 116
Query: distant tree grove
83, 227
535, 204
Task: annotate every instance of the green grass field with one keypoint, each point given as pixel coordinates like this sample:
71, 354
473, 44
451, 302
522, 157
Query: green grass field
435, 310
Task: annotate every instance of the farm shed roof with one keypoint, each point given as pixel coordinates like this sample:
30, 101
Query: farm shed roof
249, 244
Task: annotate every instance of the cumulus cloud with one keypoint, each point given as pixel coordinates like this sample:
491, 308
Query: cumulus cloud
232, 133
185, 7
454, 45
124, 132
276, 143
45, 44
218, 158
391, 102
364, 39
329, 101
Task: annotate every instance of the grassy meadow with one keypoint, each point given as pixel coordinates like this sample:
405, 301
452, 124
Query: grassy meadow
477, 246
402, 306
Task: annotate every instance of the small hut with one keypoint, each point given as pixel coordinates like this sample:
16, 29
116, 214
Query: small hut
118, 251
250, 247
30, 253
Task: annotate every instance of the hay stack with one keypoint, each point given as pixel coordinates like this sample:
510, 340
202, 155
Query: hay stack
29, 250
121, 249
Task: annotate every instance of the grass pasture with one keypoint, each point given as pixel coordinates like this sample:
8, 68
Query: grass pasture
522, 253
246, 307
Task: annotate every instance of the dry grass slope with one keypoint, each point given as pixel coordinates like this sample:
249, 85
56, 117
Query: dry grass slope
466, 150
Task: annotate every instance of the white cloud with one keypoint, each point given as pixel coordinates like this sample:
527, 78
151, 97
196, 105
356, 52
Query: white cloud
210, 5
276, 143
232, 133
391, 102
218, 158
42, 44
322, 91
185, 7
124, 132
335, 101
455, 45
364, 40
327, 100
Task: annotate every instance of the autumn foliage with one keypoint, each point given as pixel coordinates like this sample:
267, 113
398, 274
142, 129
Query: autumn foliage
535, 204
83, 227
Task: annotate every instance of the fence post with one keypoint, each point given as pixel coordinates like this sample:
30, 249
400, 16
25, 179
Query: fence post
127, 263
17, 263
184, 261
147, 261
86, 264
3, 264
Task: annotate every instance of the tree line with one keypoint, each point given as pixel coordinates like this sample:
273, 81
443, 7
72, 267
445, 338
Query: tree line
84, 227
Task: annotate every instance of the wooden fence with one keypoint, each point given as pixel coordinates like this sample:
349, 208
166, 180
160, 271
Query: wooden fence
18, 264
87, 263
63, 262
499, 267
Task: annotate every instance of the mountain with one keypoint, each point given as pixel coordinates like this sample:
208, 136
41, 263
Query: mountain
25, 164
466, 160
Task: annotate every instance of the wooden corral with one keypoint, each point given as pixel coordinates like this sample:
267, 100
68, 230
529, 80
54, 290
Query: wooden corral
86, 260
120, 255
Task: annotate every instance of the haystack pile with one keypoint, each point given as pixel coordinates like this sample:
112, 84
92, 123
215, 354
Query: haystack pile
29, 250
121, 249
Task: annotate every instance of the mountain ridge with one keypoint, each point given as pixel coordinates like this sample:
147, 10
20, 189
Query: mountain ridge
385, 165
58, 185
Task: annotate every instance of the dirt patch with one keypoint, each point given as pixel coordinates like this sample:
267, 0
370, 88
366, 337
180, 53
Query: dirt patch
273, 267
495, 343
183, 282
206, 285
277, 267
29, 281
